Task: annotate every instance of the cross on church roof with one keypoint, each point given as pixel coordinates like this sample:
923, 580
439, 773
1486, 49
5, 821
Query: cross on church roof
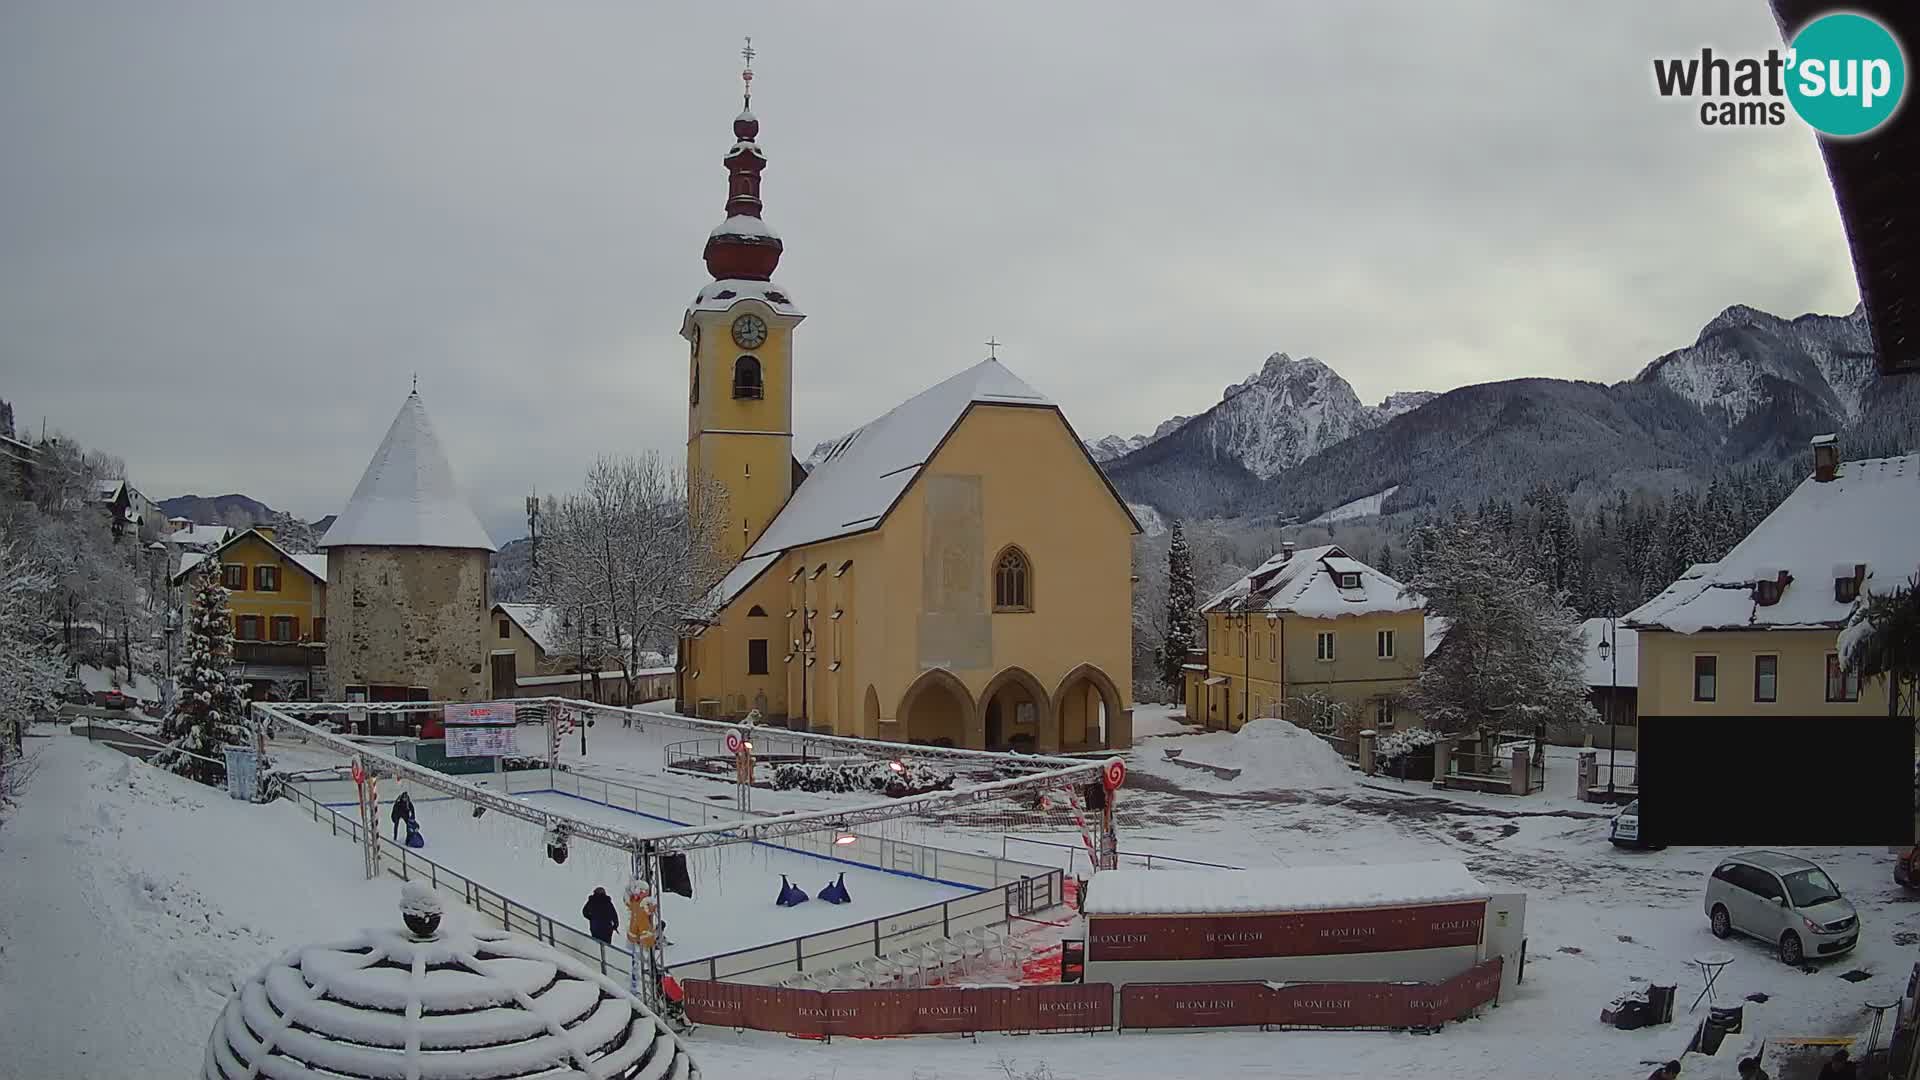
993, 348
746, 75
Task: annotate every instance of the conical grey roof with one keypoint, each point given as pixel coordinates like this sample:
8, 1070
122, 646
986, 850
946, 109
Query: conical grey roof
407, 497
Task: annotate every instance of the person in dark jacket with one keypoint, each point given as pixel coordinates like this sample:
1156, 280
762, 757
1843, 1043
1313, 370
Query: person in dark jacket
1840, 1068
1665, 1072
602, 918
402, 813
1750, 1070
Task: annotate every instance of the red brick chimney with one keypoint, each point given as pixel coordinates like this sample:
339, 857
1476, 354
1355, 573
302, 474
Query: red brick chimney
1826, 457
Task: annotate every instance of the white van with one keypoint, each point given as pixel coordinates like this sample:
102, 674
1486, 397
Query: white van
1787, 902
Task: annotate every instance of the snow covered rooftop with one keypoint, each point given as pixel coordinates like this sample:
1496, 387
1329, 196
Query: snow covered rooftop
455, 1005
1602, 672
201, 537
859, 480
1436, 628
314, 563
1130, 891
407, 497
743, 574
742, 225
550, 628
723, 294
1868, 514
1307, 584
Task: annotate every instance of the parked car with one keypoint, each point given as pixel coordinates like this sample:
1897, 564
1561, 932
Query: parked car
1904, 870
1625, 830
1787, 902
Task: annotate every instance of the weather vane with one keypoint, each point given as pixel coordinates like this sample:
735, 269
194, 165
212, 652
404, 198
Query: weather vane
746, 76
993, 349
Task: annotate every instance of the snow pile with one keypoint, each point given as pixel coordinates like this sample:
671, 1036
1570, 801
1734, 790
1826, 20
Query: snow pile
418, 898
1271, 754
1295, 888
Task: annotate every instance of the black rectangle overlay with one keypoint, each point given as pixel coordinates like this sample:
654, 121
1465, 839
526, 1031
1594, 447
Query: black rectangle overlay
1776, 781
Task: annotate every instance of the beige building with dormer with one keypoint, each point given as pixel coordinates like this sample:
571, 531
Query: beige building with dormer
955, 572
1312, 636
1757, 633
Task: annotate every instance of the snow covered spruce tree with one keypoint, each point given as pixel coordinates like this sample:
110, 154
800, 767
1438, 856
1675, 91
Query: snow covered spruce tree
1512, 656
1181, 602
32, 669
1882, 641
210, 713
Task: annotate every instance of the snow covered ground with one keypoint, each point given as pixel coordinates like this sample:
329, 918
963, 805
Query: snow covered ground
129, 899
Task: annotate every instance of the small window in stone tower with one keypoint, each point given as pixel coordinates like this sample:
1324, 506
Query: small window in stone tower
1012, 581
746, 378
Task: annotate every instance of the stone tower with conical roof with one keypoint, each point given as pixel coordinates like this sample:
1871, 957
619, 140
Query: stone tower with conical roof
407, 576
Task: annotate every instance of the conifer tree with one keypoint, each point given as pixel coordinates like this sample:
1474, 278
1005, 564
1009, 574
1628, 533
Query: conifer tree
1181, 601
210, 712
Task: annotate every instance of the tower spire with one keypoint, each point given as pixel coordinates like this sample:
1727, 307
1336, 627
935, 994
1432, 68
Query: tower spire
743, 246
746, 76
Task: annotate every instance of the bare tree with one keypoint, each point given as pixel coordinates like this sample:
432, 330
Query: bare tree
625, 555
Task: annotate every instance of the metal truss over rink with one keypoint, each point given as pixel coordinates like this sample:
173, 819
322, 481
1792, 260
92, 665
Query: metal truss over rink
1041, 775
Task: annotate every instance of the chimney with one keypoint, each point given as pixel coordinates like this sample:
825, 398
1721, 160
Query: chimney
264, 530
1826, 457
1286, 551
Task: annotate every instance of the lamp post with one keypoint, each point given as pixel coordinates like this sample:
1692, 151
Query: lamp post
1246, 661
1609, 651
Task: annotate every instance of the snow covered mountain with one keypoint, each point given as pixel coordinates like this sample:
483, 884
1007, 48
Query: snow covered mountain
1744, 360
1295, 440
1274, 419
1114, 446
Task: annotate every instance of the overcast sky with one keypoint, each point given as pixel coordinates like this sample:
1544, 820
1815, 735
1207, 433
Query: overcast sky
230, 233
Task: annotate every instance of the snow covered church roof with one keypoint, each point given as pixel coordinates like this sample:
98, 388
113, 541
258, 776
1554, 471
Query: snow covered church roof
1308, 583
1130, 891
455, 1005
1867, 515
407, 497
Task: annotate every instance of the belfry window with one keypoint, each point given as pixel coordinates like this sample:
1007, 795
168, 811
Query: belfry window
1012, 581
746, 378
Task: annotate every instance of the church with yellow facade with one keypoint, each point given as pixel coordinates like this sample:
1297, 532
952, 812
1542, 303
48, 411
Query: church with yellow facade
956, 572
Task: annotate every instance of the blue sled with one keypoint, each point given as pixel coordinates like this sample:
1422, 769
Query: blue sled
790, 894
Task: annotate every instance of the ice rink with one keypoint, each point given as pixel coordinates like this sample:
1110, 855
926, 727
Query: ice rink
733, 886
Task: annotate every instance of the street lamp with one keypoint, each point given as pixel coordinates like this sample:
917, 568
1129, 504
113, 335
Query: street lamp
1609, 652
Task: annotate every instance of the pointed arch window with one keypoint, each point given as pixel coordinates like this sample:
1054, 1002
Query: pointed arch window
746, 378
1012, 581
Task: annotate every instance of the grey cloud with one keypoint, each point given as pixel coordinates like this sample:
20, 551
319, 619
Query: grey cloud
229, 233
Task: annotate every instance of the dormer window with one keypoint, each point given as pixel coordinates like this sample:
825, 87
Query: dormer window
1349, 581
1846, 581
1767, 591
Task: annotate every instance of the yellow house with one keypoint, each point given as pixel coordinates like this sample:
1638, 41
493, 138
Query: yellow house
1315, 637
279, 604
956, 572
1755, 634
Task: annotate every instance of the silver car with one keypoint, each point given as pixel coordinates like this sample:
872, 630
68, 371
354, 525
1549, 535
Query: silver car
1785, 901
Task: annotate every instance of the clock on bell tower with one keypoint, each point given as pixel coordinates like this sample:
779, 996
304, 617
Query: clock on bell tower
739, 332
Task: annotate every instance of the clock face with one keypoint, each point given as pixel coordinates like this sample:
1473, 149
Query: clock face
749, 332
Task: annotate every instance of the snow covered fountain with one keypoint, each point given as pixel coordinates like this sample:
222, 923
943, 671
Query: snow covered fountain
447, 1004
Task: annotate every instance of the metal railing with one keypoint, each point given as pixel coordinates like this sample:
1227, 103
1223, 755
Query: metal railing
1005, 886
1142, 859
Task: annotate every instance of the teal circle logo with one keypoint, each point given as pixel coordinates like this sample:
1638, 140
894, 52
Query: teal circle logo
1846, 74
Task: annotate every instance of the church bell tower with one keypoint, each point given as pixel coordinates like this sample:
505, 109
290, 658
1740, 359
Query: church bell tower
739, 332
